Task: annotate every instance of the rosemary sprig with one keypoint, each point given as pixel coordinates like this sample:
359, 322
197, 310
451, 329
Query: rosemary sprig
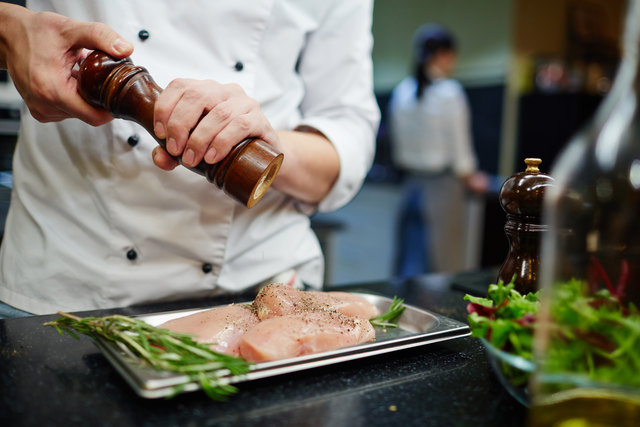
161, 349
390, 317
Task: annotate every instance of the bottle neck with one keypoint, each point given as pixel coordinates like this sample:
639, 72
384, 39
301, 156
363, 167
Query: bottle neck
618, 117
628, 76
631, 44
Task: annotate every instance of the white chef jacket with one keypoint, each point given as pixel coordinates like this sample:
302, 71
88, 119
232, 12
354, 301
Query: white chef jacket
94, 224
431, 134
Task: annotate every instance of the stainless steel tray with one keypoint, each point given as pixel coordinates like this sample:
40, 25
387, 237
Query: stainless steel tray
417, 327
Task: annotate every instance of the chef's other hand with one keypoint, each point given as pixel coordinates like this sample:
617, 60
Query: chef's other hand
477, 182
204, 119
40, 51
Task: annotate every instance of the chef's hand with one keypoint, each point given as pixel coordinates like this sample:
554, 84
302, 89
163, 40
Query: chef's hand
477, 182
204, 119
40, 50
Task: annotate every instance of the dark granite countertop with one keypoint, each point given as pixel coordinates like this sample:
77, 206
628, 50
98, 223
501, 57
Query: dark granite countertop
49, 380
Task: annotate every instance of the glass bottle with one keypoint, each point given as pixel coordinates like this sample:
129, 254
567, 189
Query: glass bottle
587, 342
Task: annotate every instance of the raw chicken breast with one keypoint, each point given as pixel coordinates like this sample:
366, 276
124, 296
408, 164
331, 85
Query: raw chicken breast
222, 327
292, 335
278, 299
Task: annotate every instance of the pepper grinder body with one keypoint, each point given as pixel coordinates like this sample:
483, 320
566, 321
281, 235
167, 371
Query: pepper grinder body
129, 92
521, 198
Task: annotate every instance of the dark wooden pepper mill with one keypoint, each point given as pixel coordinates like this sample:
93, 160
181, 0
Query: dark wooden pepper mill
521, 198
127, 91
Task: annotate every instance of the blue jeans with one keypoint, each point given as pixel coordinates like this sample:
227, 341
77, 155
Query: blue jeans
9, 312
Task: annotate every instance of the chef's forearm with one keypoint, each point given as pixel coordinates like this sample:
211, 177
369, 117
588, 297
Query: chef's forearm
10, 17
310, 168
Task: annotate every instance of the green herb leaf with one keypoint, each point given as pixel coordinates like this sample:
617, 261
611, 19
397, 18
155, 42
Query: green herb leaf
485, 302
161, 349
388, 319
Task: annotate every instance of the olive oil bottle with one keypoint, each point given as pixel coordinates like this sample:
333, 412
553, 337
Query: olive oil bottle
587, 343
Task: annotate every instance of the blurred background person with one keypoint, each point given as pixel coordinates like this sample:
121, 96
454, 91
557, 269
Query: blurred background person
429, 120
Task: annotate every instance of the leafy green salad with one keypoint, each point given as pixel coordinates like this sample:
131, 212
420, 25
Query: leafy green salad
505, 318
592, 333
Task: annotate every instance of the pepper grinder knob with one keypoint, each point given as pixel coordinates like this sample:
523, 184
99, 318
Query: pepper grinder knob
532, 165
521, 197
129, 92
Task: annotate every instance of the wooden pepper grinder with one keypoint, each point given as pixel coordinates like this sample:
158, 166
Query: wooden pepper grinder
128, 91
521, 198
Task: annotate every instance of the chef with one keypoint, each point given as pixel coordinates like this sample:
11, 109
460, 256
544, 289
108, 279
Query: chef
101, 216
